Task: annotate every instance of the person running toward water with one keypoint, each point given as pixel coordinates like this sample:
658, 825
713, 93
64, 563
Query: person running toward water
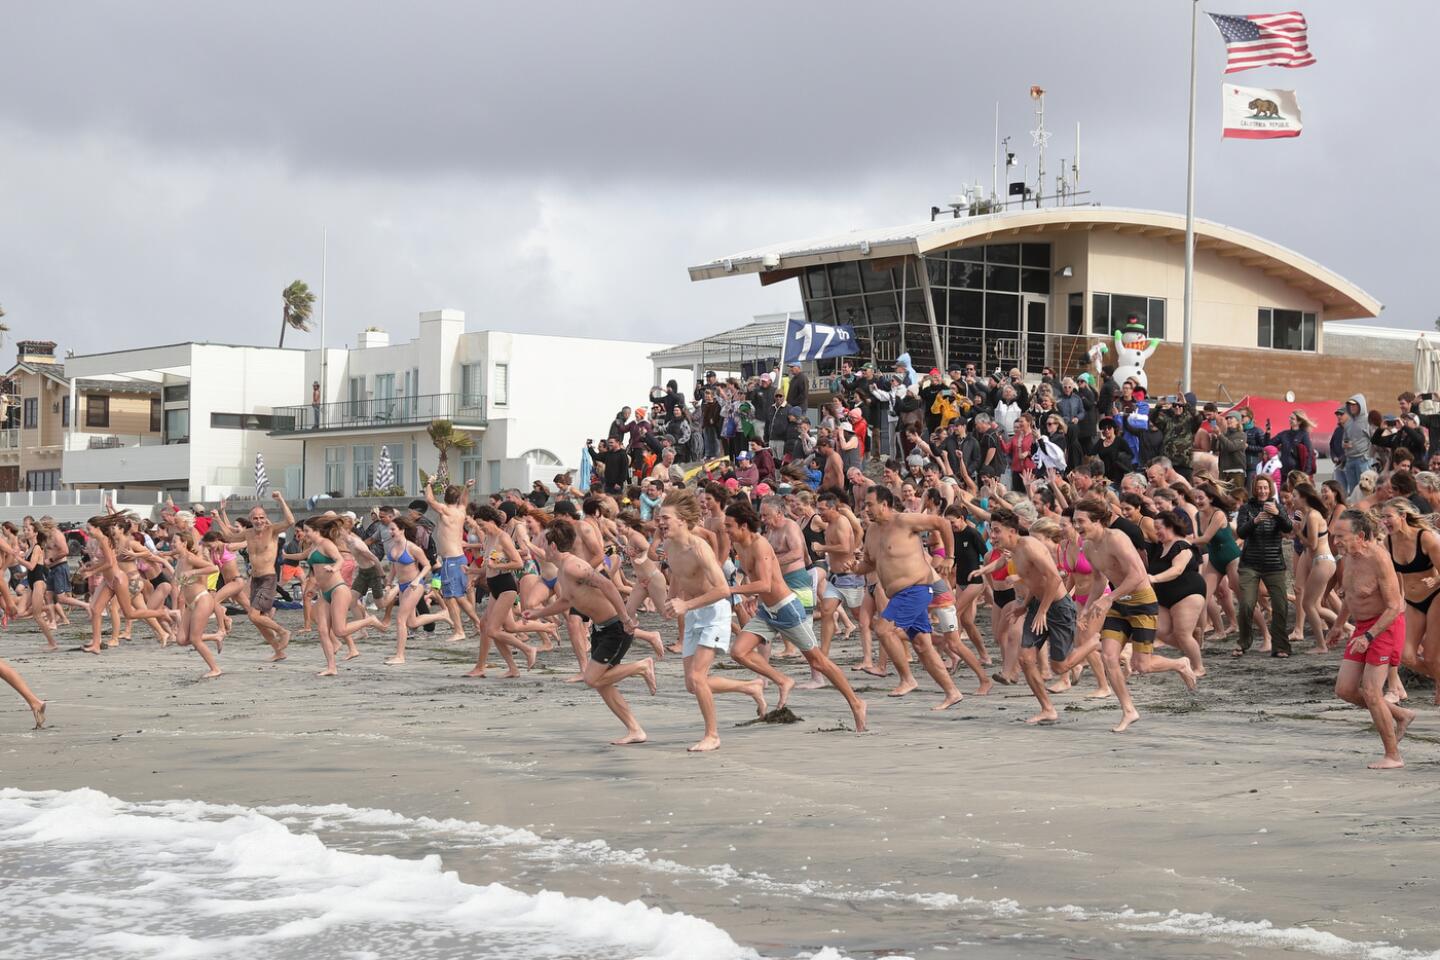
261, 542
700, 594
1049, 617
192, 571
411, 569
779, 613
893, 551
1372, 598
582, 588
450, 547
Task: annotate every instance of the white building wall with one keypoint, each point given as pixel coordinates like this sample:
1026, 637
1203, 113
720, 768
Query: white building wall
240, 380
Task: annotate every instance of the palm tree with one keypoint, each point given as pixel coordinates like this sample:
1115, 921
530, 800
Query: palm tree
299, 305
446, 438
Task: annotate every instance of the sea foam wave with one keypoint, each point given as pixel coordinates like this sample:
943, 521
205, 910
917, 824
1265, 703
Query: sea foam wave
184, 879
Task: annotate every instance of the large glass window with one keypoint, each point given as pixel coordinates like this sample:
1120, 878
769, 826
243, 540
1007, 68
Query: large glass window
335, 471
364, 467
1111, 311
177, 426
470, 381
1286, 329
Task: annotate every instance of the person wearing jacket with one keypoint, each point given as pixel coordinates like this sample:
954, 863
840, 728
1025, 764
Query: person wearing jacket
1256, 440
1290, 442
1337, 443
1263, 526
1178, 422
1230, 445
1007, 411
710, 423
1113, 452
1359, 453
1072, 410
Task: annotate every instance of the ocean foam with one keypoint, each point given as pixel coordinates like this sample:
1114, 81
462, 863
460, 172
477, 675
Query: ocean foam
183, 879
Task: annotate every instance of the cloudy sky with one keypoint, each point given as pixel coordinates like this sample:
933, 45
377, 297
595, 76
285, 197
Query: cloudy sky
167, 168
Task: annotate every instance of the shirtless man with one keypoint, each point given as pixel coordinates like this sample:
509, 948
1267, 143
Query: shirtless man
894, 552
57, 563
591, 549
699, 593
450, 547
832, 468
1127, 614
778, 614
260, 546
579, 586
785, 538
1049, 613
1372, 598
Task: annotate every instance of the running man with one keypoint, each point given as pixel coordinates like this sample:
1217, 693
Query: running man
579, 586
699, 593
893, 550
778, 613
450, 545
261, 538
1372, 598
843, 585
1049, 616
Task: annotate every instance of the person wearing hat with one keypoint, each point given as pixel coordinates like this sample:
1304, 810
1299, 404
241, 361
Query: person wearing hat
745, 470
709, 383
1355, 442
797, 394
1230, 444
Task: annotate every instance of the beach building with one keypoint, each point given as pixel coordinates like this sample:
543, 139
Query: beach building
1038, 287
39, 409
527, 400
209, 411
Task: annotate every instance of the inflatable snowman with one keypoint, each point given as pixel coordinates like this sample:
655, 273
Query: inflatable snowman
1132, 349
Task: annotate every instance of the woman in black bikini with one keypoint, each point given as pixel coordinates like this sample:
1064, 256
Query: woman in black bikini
1415, 550
500, 561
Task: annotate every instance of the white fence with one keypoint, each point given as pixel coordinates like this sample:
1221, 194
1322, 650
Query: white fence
71, 506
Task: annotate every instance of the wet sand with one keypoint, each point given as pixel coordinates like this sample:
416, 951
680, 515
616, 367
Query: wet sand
1246, 808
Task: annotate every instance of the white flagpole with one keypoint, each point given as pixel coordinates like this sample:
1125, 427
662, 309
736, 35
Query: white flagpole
1190, 218
324, 263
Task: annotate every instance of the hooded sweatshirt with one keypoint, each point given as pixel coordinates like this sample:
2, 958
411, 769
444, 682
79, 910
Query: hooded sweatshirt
1357, 432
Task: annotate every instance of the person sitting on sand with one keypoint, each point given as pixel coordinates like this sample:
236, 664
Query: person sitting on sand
1372, 598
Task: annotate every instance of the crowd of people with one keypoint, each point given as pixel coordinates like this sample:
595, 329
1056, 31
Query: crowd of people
1095, 524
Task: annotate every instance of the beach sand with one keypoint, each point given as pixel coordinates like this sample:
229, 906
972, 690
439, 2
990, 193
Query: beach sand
1236, 822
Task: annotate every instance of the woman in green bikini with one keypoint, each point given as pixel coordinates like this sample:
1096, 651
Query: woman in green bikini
1222, 567
316, 536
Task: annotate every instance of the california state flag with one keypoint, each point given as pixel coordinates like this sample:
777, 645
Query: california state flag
1254, 113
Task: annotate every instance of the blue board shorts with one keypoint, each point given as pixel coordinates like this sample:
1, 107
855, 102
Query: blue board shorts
801, 582
910, 610
453, 582
788, 619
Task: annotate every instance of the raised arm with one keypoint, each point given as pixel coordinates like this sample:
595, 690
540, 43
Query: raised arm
285, 510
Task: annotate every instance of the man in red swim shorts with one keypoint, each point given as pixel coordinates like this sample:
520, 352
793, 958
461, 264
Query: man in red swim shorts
1372, 597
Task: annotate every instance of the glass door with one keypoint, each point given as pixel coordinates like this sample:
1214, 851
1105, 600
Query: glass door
1036, 355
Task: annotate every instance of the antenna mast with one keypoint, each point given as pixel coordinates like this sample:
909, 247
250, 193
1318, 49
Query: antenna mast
1039, 136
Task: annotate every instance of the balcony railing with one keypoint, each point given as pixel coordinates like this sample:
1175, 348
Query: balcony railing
468, 410
111, 441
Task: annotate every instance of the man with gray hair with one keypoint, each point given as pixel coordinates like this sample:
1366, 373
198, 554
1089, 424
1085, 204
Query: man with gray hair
1135, 483
1427, 486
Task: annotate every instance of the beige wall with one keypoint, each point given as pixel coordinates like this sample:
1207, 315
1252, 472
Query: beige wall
1227, 293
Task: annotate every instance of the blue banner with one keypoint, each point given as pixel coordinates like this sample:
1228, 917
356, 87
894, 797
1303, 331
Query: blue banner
818, 341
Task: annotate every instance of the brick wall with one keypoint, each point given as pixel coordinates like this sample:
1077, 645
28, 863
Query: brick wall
1269, 373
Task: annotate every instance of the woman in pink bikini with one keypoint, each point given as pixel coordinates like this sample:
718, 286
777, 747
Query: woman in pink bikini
1084, 582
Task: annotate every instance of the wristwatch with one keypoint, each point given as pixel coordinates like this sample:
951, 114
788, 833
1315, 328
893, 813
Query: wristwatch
1369, 637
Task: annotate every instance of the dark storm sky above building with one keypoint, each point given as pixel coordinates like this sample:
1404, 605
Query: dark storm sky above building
168, 167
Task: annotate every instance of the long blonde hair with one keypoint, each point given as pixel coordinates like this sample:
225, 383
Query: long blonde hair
1408, 510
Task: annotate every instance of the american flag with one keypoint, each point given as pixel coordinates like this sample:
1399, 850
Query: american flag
1264, 40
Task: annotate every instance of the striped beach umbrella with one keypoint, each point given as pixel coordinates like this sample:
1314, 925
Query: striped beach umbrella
384, 470
262, 479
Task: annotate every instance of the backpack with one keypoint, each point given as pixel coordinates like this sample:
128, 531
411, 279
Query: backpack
426, 542
1305, 459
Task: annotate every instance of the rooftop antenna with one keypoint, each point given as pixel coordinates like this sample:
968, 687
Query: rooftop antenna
1039, 136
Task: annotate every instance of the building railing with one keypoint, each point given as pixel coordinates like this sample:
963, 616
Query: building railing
466, 410
112, 441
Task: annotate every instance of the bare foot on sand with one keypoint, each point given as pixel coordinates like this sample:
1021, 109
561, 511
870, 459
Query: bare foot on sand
531, 655
675, 648
575, 679
212, 674
1387, 763
90, 649
756, 689
705, 745
1100, 694
328, 672
635, 736
785, 689
279, 655
986, 685
39, 713
814, 683
510, 675
1403, 724
903, 689
860, 713
352, 654
1061, 685
394, 661
477, 672
1045, 717
950, 700
649, 675
1130, 717
1188, 675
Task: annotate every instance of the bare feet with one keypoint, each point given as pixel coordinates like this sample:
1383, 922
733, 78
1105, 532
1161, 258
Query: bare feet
1045, 717
635, 736
39, 713
1387, 763
1061, 685
394, 661
352, 654
860, 713
785, 689
510, 675
89, 649
212, 674
531, 655
1403, 724
477, 672
1100, 694
903, 689
1188, 675
675, 648
705, 745
649, 675
575, 679
756, 689
279, 655
950, 700
814, 683
986, 685
1131, 716
328, 672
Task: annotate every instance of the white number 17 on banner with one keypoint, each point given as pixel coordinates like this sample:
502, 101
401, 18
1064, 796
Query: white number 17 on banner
808, 333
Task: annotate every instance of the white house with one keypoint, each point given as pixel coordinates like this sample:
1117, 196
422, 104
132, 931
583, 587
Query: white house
529, 401
216, 410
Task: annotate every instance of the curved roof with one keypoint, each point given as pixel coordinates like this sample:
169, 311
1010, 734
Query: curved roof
1343, 300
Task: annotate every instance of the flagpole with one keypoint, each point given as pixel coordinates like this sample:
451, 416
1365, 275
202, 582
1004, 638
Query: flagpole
1185, 366
324, 263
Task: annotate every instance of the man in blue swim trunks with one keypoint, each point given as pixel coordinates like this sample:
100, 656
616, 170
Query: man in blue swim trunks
894, 551
450, 547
